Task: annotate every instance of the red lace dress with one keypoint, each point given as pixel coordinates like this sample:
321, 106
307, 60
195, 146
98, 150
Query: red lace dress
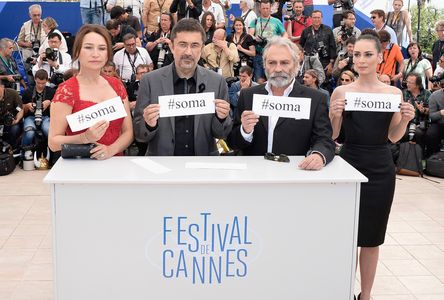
68, 92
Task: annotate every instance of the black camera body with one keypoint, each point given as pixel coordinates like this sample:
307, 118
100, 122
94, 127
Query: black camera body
51, 54
38, 111
290, 18
6, 117
346, 33
437, 79
347, 4
261, 41
35, 46
231, 80
322, 49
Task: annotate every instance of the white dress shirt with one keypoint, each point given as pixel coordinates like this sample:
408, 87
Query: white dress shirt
123, 64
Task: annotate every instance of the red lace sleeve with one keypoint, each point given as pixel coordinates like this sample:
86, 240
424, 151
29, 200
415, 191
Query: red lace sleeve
66, 93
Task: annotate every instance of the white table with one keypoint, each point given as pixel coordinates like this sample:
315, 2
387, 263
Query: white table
272, 231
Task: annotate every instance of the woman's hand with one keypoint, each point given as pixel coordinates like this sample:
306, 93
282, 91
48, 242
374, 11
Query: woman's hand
101, 152
337, 107
407, 112
95, 132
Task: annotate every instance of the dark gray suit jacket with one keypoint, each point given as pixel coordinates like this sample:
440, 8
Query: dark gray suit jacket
206, 127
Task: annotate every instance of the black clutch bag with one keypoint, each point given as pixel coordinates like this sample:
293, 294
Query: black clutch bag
77, 150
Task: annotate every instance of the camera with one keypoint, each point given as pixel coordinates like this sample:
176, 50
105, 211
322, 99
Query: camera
231, 80
437, 78
289, 18
346, 33
6, 117
322, 50
35, 46
129, 10
345, 4
38, 111
412, 130
261, 41
51, 54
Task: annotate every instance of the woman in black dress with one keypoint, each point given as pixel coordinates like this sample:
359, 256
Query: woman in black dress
245, 45
366, 148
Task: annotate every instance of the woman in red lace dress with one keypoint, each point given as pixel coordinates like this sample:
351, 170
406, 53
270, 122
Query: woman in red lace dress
92, 49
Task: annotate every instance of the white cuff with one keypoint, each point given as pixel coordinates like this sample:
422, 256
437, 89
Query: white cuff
248, 137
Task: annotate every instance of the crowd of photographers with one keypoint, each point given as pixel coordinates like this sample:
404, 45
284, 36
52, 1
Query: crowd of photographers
140, 36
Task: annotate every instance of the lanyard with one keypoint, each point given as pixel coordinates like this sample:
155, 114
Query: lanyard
263, 28
160, 6
132, 63
35, 32
7, 64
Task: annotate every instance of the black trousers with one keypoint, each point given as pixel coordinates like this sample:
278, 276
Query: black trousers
434, 135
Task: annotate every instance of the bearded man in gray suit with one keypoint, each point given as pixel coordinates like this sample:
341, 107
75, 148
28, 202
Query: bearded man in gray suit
185, 135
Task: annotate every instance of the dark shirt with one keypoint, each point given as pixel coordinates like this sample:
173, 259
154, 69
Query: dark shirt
437, 51
133, 22
154, 54
8, 66
11, 101
422, 98
209, 36
182, 9
29, 97
124, 29
311, 41
184, 125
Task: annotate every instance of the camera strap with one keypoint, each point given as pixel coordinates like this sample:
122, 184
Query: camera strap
132, 62
7, 64
42, 95
244, 17
264, 27
35, 32
412, 68
161, 6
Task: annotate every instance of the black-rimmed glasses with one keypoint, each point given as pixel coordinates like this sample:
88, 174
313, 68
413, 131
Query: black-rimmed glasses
274, 157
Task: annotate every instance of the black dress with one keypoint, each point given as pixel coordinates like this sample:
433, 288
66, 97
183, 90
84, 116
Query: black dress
366, 149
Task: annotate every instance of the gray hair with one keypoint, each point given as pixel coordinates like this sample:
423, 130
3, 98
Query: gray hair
37, 6
250, 3
4, 43
282, 42
439, 24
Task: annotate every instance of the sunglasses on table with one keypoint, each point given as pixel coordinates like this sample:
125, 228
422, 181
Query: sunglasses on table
274, 157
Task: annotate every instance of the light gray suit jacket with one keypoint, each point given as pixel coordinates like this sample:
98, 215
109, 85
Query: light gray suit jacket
206, 127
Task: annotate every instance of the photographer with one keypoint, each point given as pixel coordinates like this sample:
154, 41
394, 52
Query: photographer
127, 59
118, 31
220, 55
11, 114
245, 81
36, 102
435, 132
418, 64
133, 87
415, 94
159, 42
438, 46
120, 14
262, 29
344, 62
345, 31
298, 22
54, 62
307, 62
31, 33
9, 74
319, 39
339, 6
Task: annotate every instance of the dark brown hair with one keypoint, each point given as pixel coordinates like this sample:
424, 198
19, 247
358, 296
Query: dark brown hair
88, 28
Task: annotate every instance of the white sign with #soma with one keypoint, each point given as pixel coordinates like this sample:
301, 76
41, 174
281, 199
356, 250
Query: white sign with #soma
375, 102
283, 107
108, 110
186, 105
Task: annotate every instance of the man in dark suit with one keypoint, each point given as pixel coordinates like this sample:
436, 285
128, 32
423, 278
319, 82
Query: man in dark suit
186, 135
256, 135
186, 8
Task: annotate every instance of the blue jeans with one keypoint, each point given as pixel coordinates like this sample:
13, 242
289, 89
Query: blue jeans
91, 15
12, 133
258, 66
30, 128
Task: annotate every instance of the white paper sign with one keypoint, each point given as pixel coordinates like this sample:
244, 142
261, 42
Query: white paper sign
372, 102
109, 110
283, 107
187, 105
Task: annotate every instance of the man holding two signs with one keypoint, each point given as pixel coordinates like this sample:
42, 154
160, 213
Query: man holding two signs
293, 119
374, 113
171, 122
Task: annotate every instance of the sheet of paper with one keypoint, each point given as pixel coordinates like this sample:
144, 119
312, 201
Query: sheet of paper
282, 107
150, 165
220, 166
186, 105
109, 110
372, 102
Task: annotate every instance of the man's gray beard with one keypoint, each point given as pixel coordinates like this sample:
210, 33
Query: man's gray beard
280, 82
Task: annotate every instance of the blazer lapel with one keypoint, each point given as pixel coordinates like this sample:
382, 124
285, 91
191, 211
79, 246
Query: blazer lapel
168, 89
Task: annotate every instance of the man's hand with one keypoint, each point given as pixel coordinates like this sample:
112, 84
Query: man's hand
342, 63
53, 63
151, 114
132, 105
249, 119
46, 104
312, 162
245, 84
329, 69
442, 112
28, 107
118, 46
222, 108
